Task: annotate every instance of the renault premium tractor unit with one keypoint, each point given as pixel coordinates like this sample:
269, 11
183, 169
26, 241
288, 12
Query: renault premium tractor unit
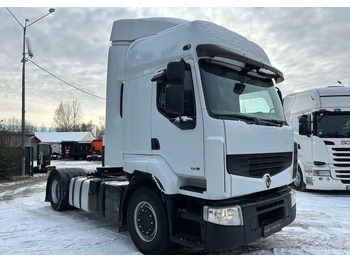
197, 150
321, 121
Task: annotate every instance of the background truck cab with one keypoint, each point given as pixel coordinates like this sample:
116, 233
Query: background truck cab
321, 121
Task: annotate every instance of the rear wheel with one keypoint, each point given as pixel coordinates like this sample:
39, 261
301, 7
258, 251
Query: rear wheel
56, 194
147, 222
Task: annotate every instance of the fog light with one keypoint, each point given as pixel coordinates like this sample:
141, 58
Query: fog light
228, 216
322, 173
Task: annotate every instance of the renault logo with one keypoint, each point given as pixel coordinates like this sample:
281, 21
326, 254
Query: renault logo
267, 179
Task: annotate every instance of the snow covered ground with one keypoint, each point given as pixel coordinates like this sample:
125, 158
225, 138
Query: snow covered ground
28, 225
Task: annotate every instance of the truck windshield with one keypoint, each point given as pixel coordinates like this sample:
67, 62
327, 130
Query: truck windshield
234, 92
332, 124
45, 149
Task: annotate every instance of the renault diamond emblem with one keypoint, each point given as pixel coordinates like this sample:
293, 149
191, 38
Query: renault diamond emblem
267, 179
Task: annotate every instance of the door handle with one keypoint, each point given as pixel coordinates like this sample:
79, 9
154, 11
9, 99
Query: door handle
155, 144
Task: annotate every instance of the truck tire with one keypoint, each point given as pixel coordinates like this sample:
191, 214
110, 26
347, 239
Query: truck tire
147, 221
56, 194
298, 183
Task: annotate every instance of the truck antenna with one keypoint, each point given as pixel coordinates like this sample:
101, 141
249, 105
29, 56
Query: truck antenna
208, 18
340, 82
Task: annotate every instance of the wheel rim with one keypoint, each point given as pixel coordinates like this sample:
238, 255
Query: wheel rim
145, 220
297, 180
55, 191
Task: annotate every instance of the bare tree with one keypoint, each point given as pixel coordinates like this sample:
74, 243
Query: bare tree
68, 116
14, 124
100, 128
51, 129
87, 127
42, 128
62, 118
77, 114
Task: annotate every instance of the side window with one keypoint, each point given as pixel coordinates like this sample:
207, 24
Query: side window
188, 118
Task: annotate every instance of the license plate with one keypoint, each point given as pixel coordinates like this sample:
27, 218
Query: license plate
347, 187
272, 228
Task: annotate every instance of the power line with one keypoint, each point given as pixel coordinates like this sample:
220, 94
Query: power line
24, 27
14, 17
66, 81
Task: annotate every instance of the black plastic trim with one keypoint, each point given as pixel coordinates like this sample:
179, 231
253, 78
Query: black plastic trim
319, 163
121, 99
155, 145
257, 165
195, 189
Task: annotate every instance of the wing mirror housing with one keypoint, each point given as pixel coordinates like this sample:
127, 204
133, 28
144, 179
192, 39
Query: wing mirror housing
304, 126
174, 91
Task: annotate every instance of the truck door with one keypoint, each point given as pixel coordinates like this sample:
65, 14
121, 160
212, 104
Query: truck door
179, 141
305, 152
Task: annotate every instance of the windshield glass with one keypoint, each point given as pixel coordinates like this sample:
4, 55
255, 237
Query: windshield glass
232, 91
45, 149
329, 124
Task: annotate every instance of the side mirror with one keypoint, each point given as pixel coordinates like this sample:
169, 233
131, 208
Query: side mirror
176, 71
174, 91
174, 99
304, 126
238, 89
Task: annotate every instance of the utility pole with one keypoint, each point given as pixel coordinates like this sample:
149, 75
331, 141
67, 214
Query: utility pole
24, 60
23, 156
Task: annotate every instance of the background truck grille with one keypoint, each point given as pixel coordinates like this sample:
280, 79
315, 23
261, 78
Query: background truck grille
341, 162
257, 165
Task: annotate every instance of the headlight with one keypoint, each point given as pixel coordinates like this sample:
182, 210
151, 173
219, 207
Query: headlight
228, 216
322, 173
293, 198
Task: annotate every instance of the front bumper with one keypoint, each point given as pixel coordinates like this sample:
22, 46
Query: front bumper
325, 183
262, 217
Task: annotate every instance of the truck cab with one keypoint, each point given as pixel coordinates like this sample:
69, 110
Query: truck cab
321, 121
231, 110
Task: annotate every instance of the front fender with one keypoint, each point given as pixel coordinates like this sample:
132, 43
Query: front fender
156, 166
162, 172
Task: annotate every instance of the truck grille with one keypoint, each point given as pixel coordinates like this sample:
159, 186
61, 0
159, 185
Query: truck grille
341, 162
257, 165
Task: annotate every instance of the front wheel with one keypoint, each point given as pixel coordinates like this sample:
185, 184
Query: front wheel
298, 182
147, 222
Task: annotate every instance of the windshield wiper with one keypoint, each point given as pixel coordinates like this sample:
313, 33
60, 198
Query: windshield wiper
278, 122
252, 120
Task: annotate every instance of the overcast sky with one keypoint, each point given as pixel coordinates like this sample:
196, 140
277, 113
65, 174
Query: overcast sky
311, 46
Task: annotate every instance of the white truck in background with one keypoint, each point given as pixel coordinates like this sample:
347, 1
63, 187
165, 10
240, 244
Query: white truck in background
197, 150
321, 121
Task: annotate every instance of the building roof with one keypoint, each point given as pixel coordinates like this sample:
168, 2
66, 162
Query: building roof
58, 137
34, 139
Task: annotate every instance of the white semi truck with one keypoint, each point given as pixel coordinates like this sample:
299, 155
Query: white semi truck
197, 150
321, 121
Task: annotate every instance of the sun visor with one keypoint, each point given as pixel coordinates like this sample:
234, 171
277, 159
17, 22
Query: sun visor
132, 29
